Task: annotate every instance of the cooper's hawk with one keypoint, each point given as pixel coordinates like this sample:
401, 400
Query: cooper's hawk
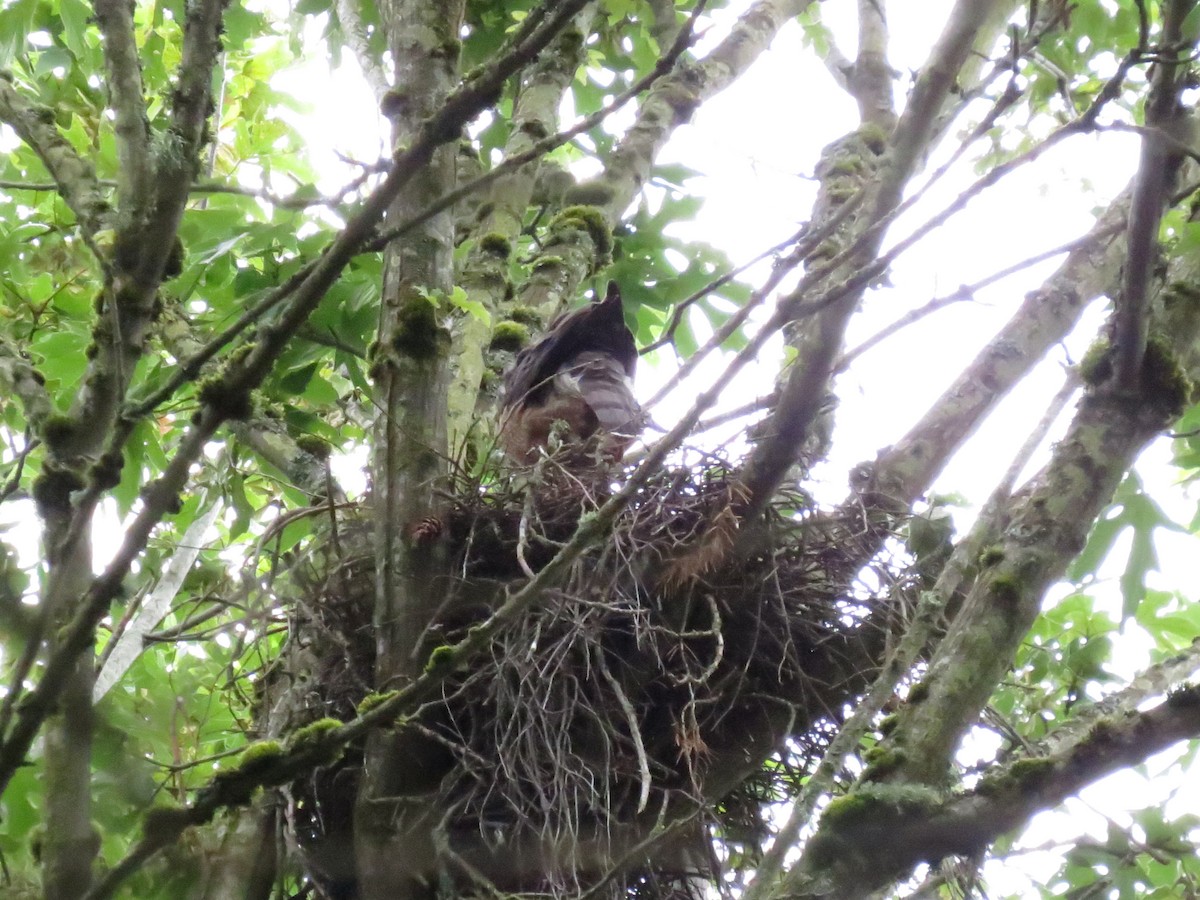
579, 374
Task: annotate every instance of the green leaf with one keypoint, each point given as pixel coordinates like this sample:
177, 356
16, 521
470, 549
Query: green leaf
1132, 509
296, 381
1099, 543
685, 339
473, 308
321, 392
16, 21
75, 15
1142, 559
235, 496
61, 356
1191, 25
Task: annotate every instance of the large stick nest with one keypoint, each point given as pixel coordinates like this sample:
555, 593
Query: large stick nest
611, 697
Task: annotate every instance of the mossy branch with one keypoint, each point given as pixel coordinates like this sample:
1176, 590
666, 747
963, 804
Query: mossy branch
1048, 526
1021, 547
1038, 534
499, 220
20, 378
154, 193
765, 881
263, 764
74, 177
875, 835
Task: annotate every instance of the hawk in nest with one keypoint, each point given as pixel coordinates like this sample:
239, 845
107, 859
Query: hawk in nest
578, 375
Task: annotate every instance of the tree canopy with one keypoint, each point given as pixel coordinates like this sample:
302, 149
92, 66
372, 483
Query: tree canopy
228, 670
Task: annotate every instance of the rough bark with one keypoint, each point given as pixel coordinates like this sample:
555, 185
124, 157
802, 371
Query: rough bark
411, 372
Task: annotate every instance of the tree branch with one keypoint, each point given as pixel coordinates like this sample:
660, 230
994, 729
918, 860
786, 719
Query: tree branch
839, 66
192, 366
356, 36
157, 216
872, 75
1155, 681
818, 342
967, 22
882, 835
1157, 169
902, 472
125, 91
1043, 529
665, 28
74, 177
484, 275
298, 201
766, 882
966, 292
1003, 603
1018, 549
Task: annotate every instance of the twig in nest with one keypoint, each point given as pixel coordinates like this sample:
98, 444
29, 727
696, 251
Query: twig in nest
523, 534
689, 740
715, 634
634, 731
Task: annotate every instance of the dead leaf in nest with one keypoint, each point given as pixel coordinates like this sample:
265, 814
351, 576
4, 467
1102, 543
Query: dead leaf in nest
692, 748
713, 547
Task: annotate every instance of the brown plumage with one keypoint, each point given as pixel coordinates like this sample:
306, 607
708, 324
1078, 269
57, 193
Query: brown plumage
578, 374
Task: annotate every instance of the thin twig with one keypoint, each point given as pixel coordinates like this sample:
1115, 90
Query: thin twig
631, 722
668, 335
967, 292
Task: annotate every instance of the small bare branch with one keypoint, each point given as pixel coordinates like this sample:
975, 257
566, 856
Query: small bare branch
966, 292
682, 307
